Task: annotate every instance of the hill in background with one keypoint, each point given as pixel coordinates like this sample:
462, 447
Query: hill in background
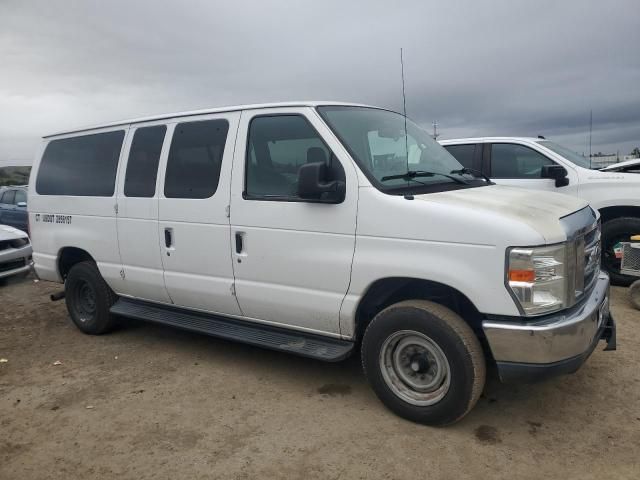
14, 175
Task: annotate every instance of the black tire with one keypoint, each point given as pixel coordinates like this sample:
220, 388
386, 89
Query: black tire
89, 298
634, 294
614, 231
453, 337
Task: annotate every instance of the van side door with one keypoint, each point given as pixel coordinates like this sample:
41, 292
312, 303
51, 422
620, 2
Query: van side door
292, 257
194, 231
137, 219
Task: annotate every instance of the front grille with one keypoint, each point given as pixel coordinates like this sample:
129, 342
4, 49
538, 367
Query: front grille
630, 259
587, 260
12, 265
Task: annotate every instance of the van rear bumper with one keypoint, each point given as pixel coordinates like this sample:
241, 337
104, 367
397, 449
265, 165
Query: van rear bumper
557, 344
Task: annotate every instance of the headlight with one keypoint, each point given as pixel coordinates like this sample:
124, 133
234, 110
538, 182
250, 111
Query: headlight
538, 278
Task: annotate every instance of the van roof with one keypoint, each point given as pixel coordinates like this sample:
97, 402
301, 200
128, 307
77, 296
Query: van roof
231, 108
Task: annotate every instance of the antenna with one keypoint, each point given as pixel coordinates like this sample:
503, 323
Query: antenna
404, 111
435, 130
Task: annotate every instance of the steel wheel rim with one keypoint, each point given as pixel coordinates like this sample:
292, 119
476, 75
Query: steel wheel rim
415, 368
85, 300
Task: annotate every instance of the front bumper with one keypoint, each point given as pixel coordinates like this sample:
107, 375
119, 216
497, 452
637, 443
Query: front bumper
14, 261
533, 350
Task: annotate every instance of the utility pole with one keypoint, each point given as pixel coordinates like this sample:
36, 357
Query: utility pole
435, 130
590, 131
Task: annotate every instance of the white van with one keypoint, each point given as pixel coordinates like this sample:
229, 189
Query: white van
318, 229
541, 164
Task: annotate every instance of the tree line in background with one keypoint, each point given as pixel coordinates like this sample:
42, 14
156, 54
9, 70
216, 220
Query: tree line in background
14, 175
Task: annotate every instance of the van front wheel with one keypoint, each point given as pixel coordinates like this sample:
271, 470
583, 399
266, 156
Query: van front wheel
89, 299
423, 362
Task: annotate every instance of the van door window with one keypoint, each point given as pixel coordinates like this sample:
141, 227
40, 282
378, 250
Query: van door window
195, 159
509, 160
85, 165
277, 147
142, 167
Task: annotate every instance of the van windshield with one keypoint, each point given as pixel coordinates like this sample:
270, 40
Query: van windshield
393, 162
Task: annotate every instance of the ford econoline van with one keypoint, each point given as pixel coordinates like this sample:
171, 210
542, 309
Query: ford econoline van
322, 229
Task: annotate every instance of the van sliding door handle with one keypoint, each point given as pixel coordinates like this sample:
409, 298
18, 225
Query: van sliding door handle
239, 245
168, 240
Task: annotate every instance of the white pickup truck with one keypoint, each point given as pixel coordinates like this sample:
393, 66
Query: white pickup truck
541, 164
322, 229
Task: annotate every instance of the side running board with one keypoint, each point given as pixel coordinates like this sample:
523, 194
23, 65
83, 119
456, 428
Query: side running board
290, 341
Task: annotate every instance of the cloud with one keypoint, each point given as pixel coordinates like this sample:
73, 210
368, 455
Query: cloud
479, 68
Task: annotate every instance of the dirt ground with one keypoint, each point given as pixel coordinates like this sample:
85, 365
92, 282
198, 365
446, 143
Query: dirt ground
149, 402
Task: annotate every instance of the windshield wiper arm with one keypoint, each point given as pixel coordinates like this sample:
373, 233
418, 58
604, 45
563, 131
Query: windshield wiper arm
413, 174
472, 171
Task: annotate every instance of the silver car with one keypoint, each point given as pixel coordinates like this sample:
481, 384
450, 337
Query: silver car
15, 252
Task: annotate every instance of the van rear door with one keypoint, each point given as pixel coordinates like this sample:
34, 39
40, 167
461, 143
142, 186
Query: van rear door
142, 268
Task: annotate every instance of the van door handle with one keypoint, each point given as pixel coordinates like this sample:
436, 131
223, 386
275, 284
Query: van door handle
168, 240
239, 245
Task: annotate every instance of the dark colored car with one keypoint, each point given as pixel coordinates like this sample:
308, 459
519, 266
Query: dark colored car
13, 207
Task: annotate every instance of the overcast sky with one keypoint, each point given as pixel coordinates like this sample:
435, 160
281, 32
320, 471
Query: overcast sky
477, 67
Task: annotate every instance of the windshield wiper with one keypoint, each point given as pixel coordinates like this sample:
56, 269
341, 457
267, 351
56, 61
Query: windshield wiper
472, 171
413, 174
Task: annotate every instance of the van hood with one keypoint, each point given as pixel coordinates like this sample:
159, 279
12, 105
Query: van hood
10, 233
540, 210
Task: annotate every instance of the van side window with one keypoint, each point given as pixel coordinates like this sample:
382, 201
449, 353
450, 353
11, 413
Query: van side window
81, 166
142, 167
509, 160
195, 159
277, 147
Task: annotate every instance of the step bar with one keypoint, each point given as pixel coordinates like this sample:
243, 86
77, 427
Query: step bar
290, 341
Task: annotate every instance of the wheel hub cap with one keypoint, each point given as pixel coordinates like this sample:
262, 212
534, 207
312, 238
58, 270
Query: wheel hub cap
415, 368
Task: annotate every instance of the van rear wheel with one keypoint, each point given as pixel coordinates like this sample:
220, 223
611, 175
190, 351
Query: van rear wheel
423, 362
89, 299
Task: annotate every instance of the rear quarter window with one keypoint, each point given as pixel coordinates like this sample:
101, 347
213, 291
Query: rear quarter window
81, 166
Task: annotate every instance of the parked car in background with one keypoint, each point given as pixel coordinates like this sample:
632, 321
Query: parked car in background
630, 166
13, 207
541, 164
342, 228
15, 252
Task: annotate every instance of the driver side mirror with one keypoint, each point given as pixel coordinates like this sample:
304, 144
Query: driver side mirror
313, 184
557, 173
21, 204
